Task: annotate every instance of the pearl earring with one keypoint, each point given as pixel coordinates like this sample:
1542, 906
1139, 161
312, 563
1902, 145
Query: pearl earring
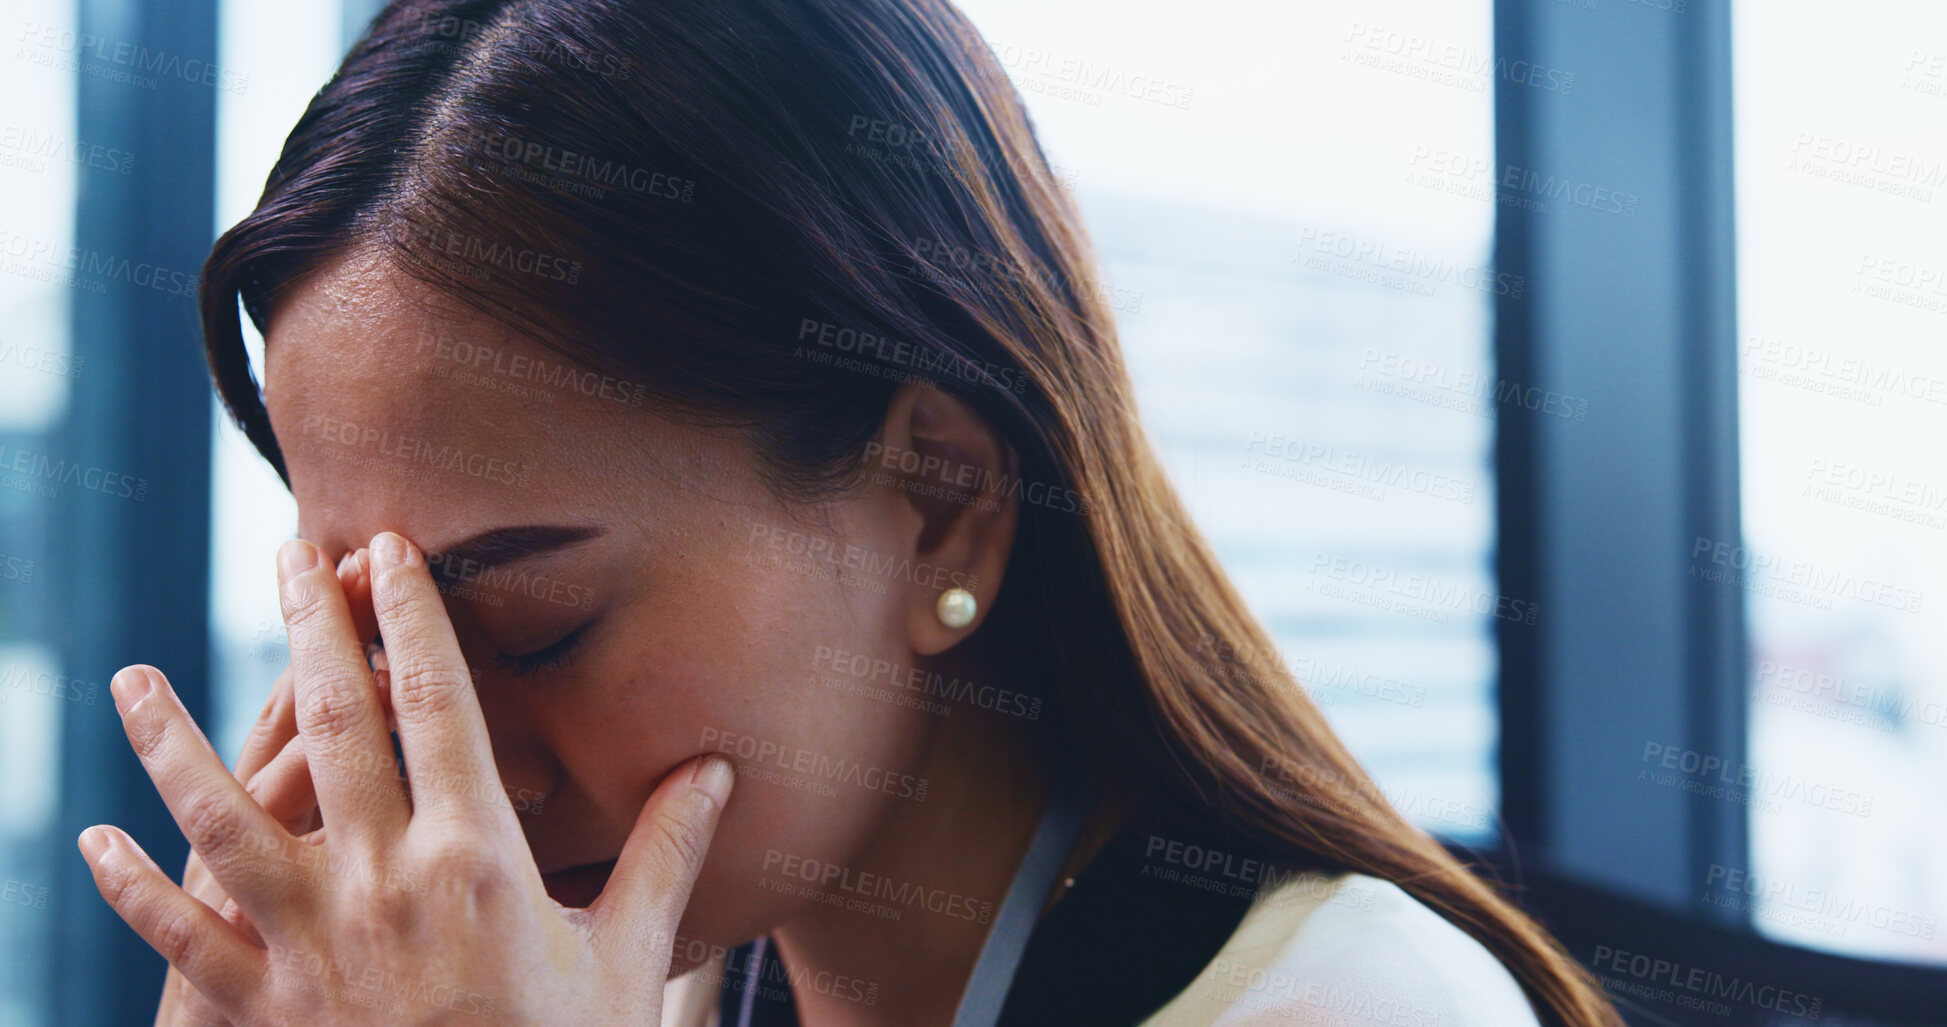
957, 608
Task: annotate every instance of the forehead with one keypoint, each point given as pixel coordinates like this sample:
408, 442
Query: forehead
397, 408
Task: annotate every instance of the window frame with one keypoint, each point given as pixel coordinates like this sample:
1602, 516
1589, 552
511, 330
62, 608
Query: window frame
134, 579
1596, 520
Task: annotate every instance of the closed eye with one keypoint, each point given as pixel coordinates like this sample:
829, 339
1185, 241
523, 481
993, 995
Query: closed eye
553, 657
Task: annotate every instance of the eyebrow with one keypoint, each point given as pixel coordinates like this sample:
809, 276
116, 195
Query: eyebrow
498, 546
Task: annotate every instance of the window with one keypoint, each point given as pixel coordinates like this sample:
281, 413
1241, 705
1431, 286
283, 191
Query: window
252, 513
37, 372
1842, 205
1294, 211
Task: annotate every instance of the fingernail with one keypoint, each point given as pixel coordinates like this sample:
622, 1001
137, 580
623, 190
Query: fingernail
295, 557
388, 550
129, 687
713, 777
93, 842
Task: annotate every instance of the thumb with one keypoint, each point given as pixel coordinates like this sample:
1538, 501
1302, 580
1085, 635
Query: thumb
634, 919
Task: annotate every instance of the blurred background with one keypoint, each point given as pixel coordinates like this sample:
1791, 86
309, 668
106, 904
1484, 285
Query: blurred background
1561, 380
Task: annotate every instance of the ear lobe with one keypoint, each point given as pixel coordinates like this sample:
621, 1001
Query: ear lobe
952, 470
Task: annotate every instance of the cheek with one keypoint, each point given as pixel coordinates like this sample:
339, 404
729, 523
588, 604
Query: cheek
732, 653
736, 637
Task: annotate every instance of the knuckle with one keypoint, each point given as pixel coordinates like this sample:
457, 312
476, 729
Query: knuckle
377, 905
210, 823
425, 688
389, 912
177, 935
119, 883
395, 588
148, 727
304, 600
327, 655
388, 599
332, 709
468, 869
680, 843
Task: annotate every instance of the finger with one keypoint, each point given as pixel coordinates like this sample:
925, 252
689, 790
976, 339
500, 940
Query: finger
355, 574
382, 683
187, 1007
338, 714
449, 758
197, 880
223, 824
183, 1006
285, 790
216, 959
275, 726
355, 577
634, 919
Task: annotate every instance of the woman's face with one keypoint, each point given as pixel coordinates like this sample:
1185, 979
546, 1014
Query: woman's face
625, 589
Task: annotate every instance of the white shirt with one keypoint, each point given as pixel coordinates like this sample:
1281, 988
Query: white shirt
1348, 951
1342, 951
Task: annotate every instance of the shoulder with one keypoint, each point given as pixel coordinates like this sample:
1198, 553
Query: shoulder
1349, 950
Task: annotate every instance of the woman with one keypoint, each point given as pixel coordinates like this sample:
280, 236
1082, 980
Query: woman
709, 437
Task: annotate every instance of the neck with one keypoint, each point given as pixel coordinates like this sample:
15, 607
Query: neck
959, 850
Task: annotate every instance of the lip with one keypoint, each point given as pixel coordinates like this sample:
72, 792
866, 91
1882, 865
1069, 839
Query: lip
578, 886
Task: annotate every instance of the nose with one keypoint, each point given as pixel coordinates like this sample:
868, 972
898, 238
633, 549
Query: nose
529, 772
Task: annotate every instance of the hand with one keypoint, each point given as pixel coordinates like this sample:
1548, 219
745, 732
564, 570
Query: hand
415, 909
273, 771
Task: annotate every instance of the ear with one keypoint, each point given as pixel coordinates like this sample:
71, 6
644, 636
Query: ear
949, 471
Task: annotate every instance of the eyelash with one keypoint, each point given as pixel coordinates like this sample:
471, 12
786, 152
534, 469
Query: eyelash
554, 657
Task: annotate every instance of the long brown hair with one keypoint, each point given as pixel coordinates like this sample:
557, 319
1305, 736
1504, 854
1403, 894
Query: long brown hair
770, 212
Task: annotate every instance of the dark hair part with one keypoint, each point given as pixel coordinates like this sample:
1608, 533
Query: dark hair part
693, 195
